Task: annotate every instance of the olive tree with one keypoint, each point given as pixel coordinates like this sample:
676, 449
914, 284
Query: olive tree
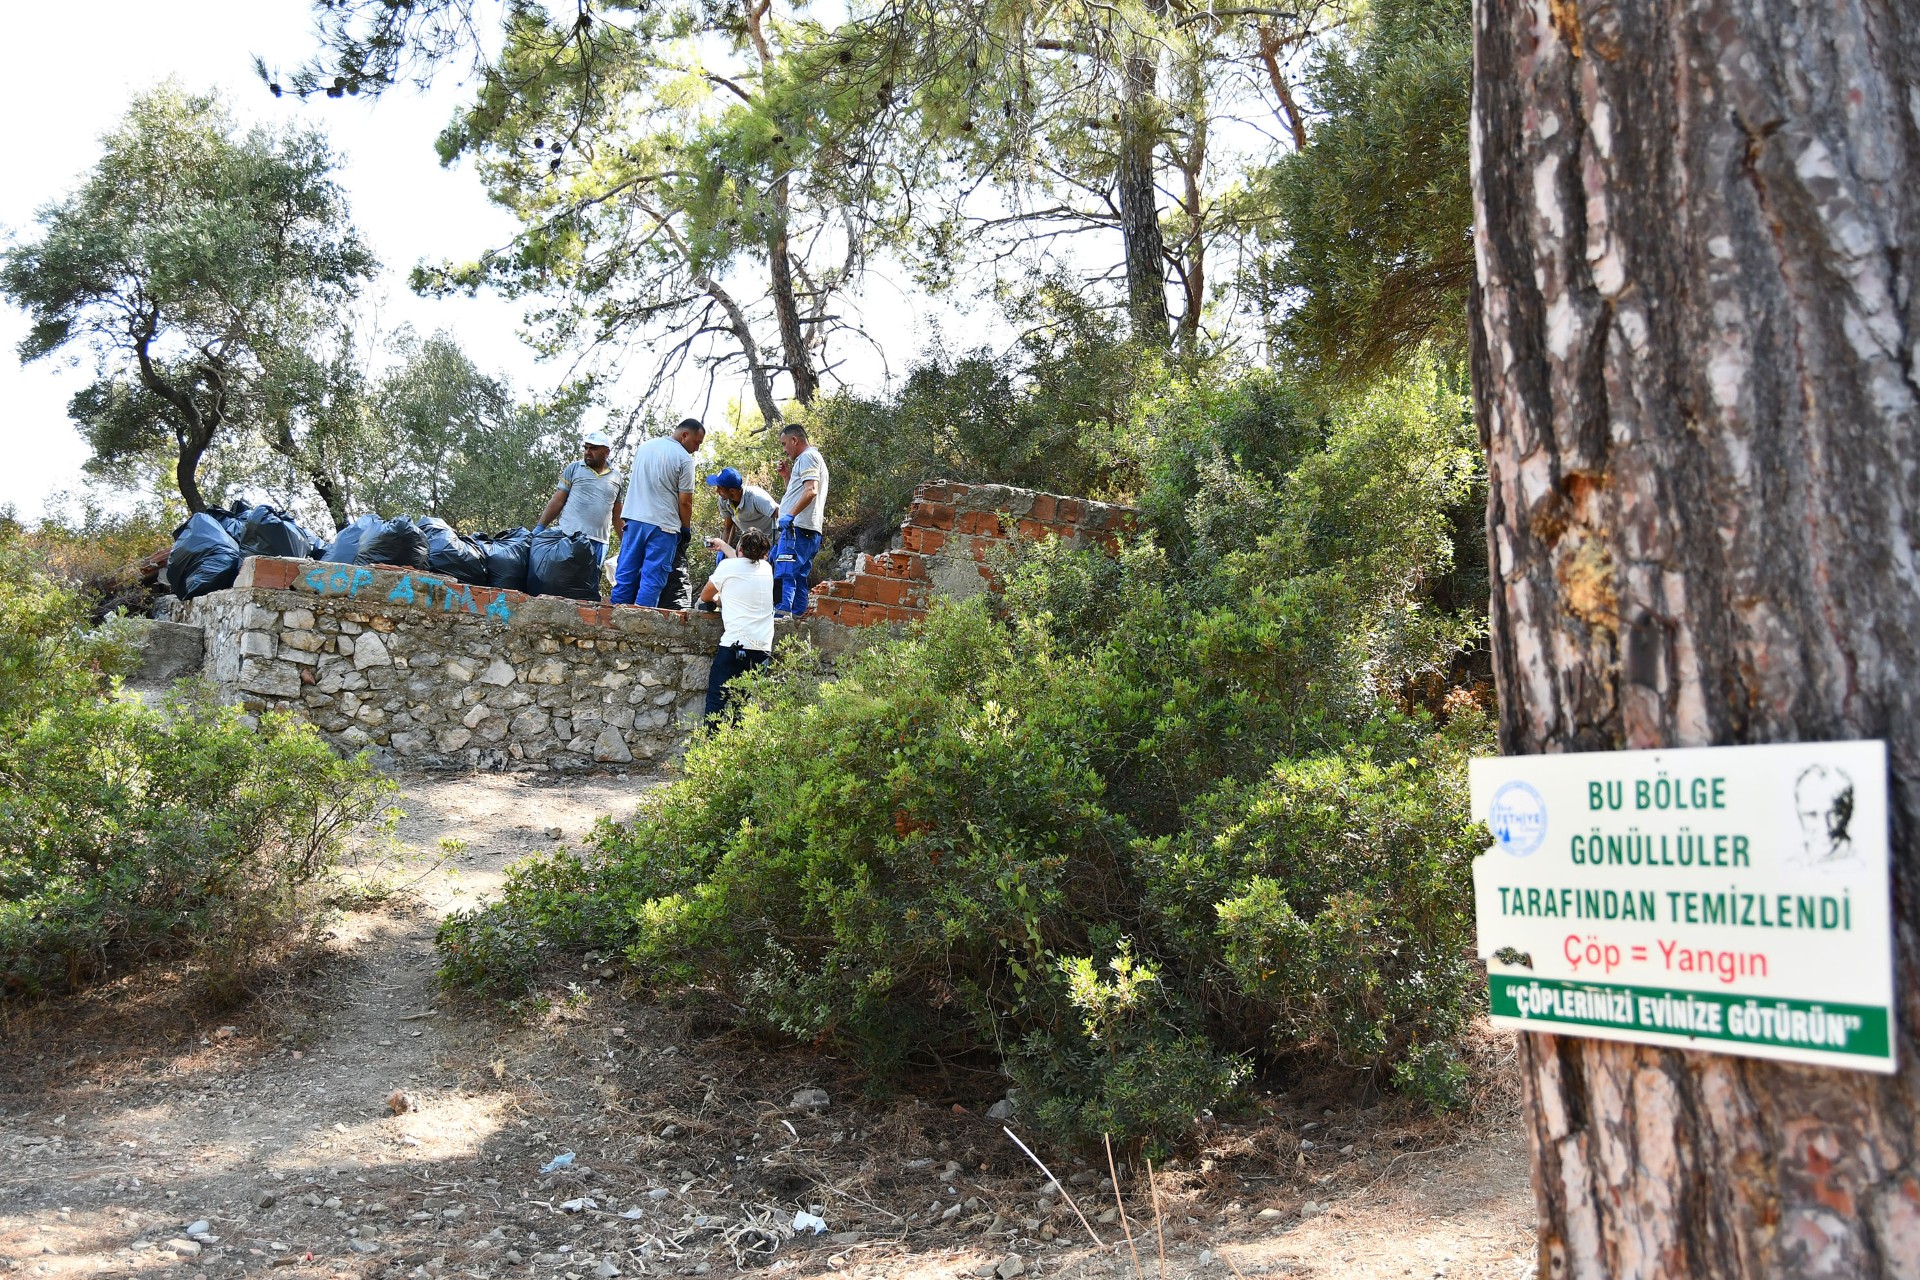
202, 265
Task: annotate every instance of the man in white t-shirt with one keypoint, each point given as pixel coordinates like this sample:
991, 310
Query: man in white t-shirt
803, 510
659, 509
742, 585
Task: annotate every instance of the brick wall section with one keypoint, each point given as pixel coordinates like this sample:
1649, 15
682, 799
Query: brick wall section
438, 675
943, 548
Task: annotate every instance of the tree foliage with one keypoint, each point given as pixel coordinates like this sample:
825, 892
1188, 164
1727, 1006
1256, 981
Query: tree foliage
200, 264
1371, 247
457, 445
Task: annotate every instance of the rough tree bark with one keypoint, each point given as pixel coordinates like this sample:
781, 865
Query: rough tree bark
193, 426
1694, 356
1139, 200
786, 308
757, 373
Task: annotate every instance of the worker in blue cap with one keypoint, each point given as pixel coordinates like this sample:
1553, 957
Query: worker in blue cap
743, 506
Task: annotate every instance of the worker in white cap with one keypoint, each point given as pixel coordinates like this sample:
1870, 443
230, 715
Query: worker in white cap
588, 499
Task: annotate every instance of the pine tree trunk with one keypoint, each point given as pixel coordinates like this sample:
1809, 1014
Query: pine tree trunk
786, 308
1694, 356
1139, 202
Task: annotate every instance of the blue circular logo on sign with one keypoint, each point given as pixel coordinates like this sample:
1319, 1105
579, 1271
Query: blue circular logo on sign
1518, 818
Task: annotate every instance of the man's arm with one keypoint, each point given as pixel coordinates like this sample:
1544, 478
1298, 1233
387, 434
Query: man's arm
686, 512
710, 592
557, 504
619, 521
803, 499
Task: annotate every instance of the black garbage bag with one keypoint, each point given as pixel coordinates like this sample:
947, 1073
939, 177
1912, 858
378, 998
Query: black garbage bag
233, 519
448, 552
346, 544
397, 542
204, 558
563, 564
269, 531
507, 554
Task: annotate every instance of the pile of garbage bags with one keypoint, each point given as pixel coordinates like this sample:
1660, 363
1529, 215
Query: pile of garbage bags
208, 549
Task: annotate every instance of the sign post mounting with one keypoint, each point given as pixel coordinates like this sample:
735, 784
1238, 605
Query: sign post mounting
1728, 899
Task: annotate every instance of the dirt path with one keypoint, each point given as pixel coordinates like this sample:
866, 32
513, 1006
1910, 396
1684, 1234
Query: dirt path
356, 1124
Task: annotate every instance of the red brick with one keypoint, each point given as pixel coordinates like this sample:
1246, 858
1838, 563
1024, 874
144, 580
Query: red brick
908, 566
1043, 507
980, 524
270, 574
925, 541
931, 515
933, 492
880, 590
596, 615
1070, 510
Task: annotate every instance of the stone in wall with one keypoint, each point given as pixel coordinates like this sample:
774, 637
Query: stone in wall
434, 674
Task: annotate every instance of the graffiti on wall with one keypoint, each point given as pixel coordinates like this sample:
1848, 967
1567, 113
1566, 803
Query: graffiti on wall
418, 589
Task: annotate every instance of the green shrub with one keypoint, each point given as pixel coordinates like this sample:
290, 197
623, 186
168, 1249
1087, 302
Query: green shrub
128, 830
1127, 1064
549, 901
1333, 894
1138, 823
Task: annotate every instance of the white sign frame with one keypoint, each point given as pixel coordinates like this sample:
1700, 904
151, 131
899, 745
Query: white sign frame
1728, 899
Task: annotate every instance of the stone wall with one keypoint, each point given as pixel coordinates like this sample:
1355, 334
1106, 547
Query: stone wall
438, 675
945, 545
434, 674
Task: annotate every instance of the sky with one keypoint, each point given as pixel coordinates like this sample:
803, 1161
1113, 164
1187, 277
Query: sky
58, 107
407, 207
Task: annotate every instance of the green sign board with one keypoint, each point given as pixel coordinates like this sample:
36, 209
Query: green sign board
1733, 899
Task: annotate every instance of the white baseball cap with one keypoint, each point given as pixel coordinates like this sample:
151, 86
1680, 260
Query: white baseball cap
597, 437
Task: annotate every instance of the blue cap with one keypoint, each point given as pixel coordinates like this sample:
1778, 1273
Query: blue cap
727, 479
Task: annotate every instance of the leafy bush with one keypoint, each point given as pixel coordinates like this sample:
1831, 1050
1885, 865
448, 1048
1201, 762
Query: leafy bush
128, 830
1139, 822
95, 550
1331, 894
1043, 417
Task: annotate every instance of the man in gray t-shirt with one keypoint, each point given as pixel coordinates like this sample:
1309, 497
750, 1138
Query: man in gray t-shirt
659, 514
802, 517
587, 501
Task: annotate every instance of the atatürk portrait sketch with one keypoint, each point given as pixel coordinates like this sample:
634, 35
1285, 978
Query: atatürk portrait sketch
1823, 799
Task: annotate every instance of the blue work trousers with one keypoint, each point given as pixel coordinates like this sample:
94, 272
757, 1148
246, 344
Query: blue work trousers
646, 557
792, 562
